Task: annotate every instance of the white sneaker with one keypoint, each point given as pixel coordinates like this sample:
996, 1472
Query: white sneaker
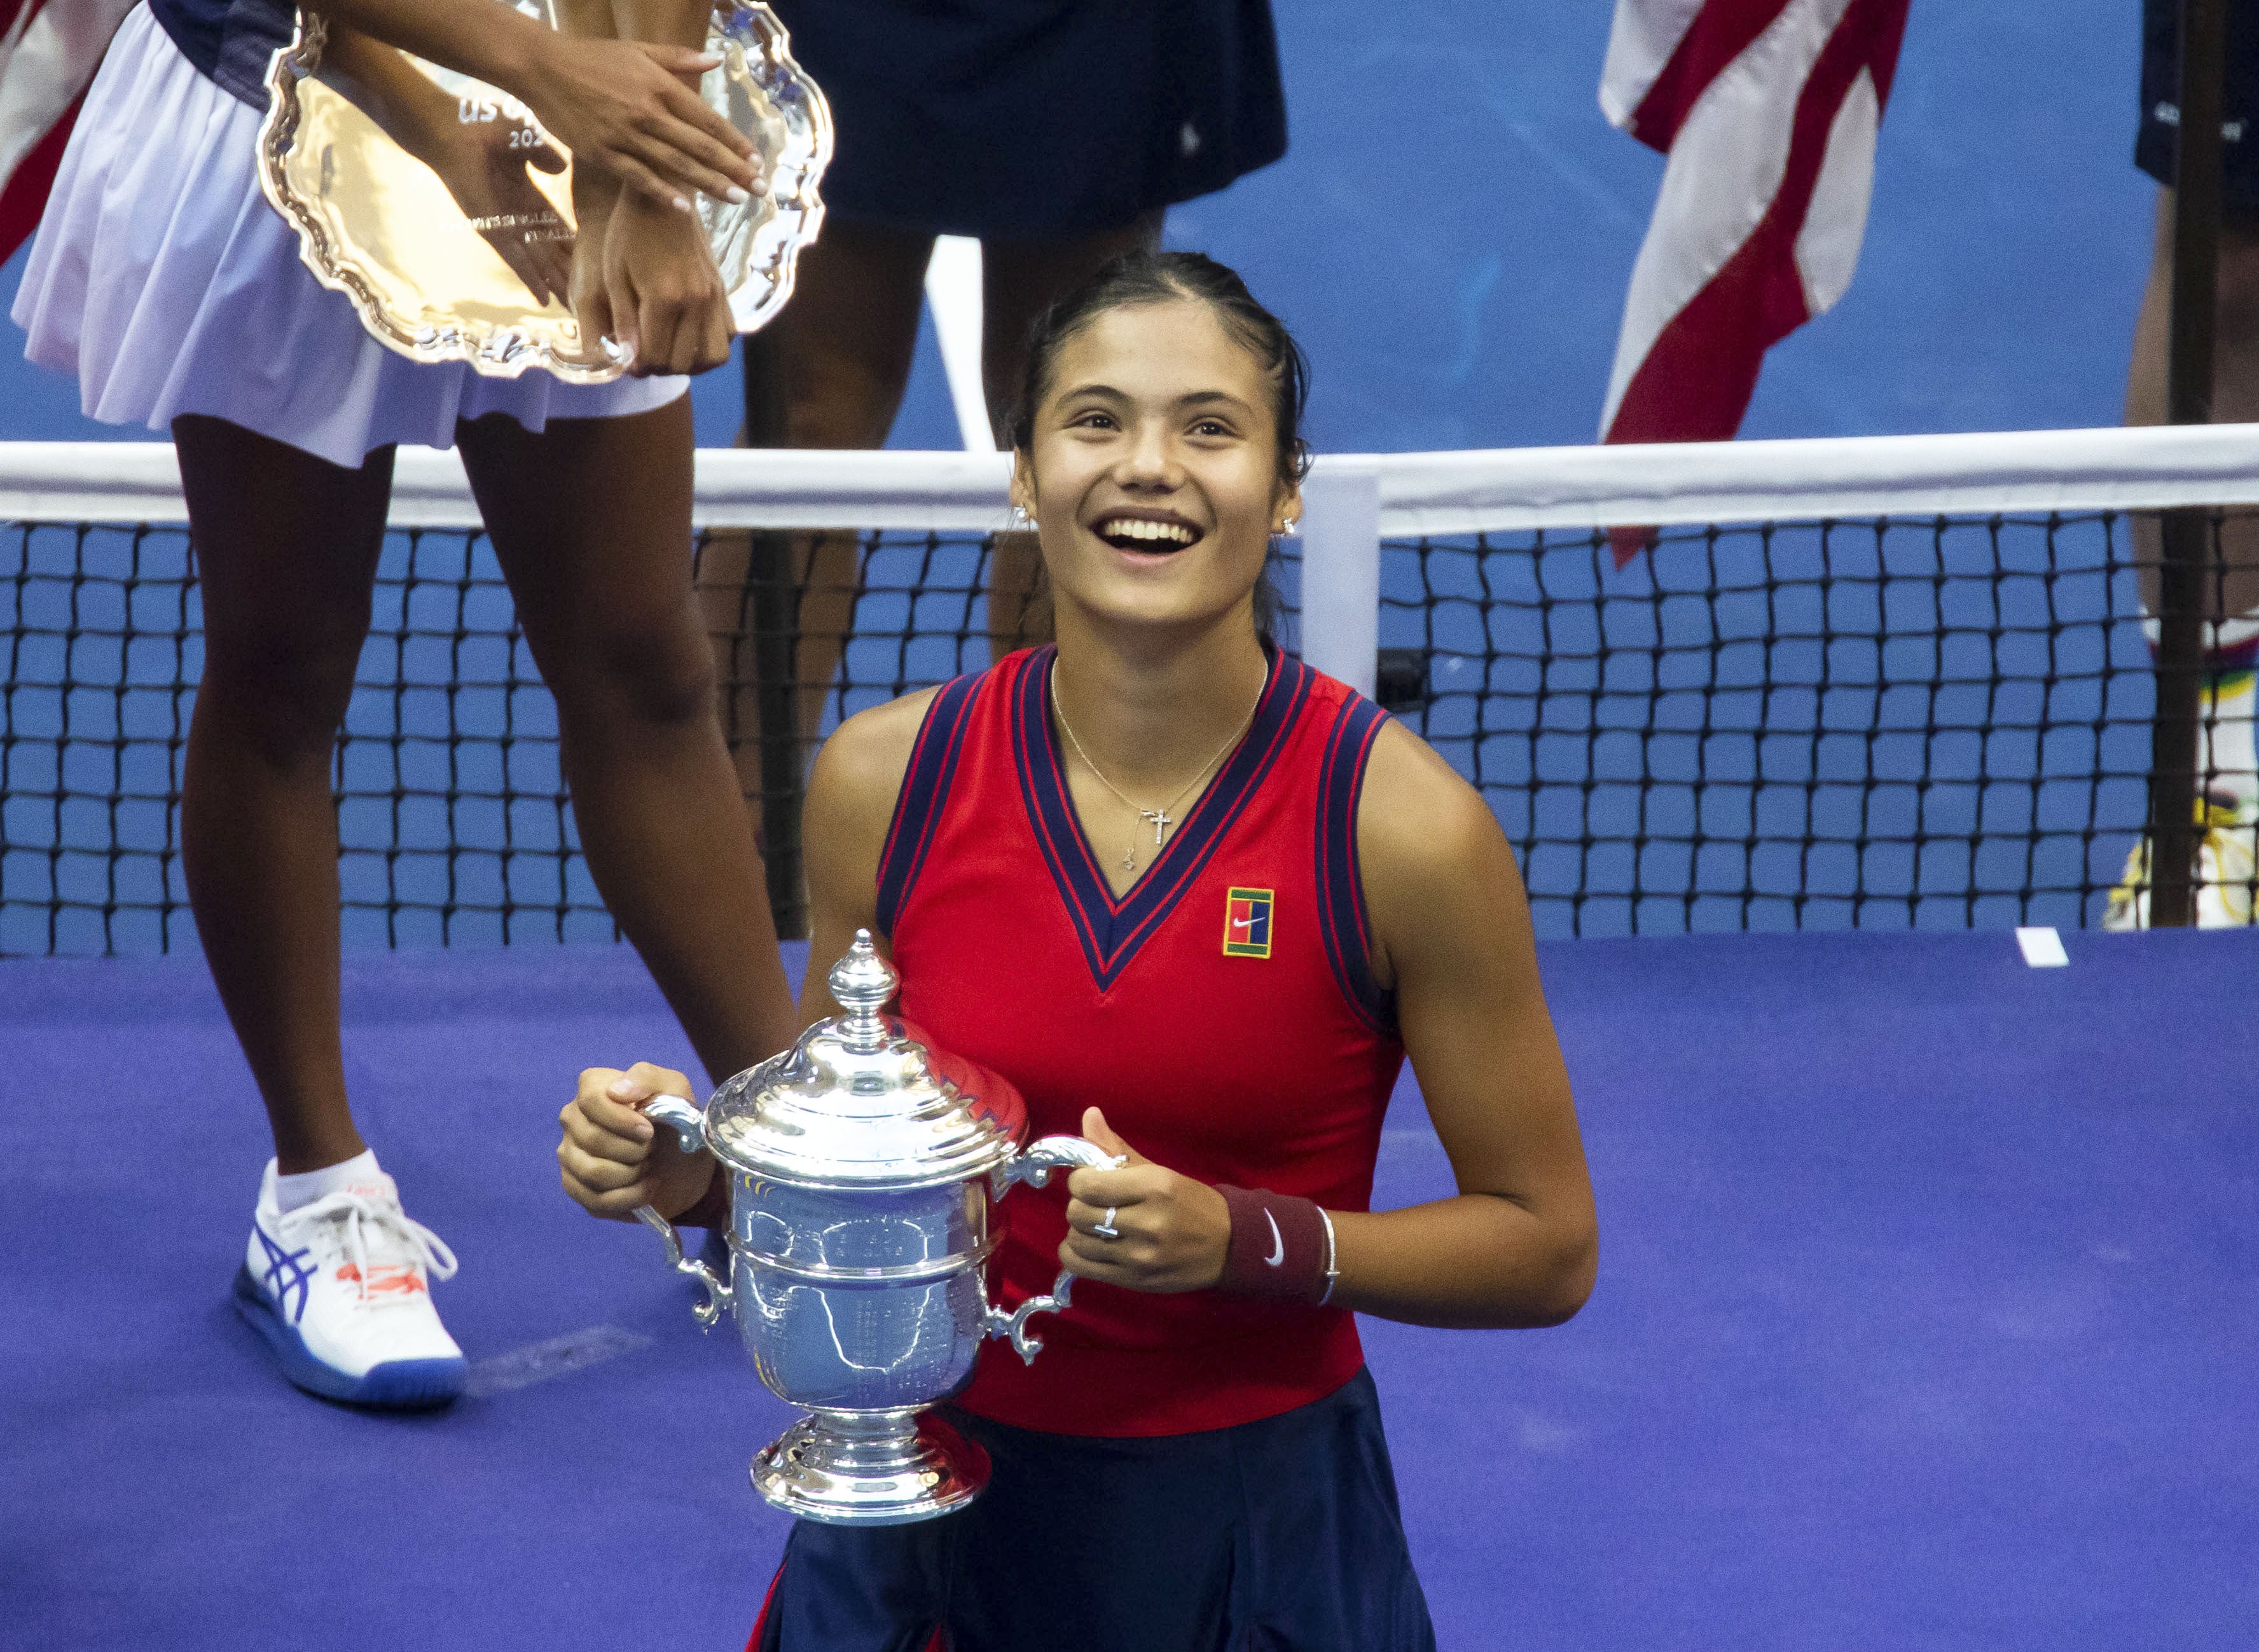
341, 1289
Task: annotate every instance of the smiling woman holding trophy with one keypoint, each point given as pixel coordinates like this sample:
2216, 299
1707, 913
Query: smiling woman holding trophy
1163, 888
165, 278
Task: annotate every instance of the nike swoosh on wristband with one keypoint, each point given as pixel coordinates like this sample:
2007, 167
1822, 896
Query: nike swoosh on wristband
1278, 1241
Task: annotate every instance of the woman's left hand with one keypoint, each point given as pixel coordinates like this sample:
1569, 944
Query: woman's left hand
663, 297
1174, 1231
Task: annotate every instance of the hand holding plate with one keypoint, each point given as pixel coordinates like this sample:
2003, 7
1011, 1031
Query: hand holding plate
666, 301
623, 107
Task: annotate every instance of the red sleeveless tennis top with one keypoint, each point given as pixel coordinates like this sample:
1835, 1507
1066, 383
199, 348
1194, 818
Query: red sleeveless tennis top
1224, 1014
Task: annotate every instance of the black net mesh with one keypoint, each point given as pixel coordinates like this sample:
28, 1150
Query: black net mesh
452, 818
1880, 724
1933, 724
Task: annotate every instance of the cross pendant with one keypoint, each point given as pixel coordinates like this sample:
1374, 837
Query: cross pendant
1160, 819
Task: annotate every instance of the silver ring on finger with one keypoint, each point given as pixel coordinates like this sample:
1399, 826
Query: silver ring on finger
1107, 1229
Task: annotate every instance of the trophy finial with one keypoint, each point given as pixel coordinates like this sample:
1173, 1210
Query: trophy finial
861, 984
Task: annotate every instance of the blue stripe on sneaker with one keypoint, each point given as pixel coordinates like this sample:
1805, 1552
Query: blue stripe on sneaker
400, 1384
286, 1271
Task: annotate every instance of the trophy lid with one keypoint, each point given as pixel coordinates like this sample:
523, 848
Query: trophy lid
864, 1100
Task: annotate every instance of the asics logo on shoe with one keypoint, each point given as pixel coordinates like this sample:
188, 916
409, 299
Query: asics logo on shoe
286, 1271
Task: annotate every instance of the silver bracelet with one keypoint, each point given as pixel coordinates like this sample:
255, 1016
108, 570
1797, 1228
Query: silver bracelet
1333, 1273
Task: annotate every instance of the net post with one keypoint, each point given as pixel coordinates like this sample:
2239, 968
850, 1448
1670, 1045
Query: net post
774, 613
2180, 613
1341, 575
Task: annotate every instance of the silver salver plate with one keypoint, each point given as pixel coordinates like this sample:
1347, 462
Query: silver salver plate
381, 226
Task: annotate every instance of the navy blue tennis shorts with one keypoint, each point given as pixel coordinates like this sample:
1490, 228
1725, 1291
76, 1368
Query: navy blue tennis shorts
2156, 149
1281, 1535
1037, 120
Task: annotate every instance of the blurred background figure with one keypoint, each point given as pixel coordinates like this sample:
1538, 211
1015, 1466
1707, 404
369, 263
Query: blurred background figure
1055, 132
160, 281
2227, 776
49, 50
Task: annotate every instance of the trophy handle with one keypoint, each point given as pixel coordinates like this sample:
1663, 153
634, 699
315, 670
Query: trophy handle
689, 1123
995, 1322
689, 1126
718, 1294
1034, 1166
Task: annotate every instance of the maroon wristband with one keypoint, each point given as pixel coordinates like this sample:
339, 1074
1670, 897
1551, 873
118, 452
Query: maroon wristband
1280, 1246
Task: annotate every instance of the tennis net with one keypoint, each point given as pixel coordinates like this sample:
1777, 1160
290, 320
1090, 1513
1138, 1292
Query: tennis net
1891, 682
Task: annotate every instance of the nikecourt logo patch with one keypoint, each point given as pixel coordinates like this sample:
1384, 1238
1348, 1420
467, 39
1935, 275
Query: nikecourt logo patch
1247, 923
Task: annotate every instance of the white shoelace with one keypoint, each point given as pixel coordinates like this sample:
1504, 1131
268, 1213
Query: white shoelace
361, 1217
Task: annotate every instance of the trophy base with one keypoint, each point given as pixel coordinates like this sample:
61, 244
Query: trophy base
870, 1468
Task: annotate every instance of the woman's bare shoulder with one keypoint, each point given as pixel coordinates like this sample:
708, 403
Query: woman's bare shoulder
1418, 812
850, 806
870, 752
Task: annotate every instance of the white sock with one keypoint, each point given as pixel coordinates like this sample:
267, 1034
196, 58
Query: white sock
293, 1191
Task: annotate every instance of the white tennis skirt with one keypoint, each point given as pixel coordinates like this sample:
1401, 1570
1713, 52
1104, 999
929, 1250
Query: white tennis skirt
162, 278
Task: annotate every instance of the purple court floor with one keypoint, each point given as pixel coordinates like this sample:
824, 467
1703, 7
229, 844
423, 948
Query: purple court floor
1926, 1320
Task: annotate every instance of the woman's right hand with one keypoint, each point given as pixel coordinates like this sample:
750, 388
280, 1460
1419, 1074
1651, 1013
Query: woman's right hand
613, 1158
627, 109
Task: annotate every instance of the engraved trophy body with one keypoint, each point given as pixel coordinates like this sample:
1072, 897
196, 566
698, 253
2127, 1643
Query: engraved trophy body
862, 1164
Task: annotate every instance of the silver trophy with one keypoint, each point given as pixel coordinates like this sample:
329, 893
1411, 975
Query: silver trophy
862, 1164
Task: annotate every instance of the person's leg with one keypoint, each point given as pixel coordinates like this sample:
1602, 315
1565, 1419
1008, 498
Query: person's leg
2227, 765
2235, 398
844, 347
286, 548
591, 524
1019, 281
335, 1275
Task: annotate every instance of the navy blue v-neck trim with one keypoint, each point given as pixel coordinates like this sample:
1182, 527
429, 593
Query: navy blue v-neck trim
1112, 932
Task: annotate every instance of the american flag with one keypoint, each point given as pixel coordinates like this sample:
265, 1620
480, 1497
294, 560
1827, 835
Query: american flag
49, 50
1768, 111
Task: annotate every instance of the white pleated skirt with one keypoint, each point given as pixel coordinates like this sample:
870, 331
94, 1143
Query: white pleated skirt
162, 278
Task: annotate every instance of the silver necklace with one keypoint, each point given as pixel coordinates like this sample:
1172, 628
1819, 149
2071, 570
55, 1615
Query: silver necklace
1158, 818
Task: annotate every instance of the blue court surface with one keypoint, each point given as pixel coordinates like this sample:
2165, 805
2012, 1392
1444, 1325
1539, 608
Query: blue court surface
1924, 1320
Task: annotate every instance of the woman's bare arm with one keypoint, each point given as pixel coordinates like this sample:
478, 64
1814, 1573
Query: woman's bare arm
1519, 1243
622, 105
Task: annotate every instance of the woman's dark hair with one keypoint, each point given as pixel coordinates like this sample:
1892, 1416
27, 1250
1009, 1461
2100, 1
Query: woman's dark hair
1160, 278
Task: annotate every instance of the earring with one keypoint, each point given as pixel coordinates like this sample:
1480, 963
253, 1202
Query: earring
1022, 520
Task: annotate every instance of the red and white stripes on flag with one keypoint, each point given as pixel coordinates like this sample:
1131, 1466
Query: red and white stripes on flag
49, 50
1768, 111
